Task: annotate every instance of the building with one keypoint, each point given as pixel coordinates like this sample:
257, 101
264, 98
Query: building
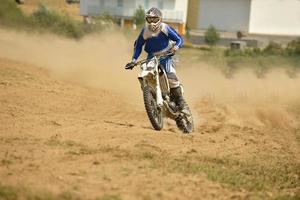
174, 11
272, 17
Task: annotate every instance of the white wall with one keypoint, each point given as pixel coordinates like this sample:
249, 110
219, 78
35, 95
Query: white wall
182, 5
226, 15
275, 17
96, 7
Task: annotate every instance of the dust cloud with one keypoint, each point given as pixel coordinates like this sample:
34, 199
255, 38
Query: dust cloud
98, 61
243, 100
95, 61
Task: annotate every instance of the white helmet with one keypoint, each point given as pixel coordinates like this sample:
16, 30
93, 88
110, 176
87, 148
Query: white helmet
153, 19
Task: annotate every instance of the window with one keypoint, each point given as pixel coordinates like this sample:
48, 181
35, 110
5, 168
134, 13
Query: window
120, 3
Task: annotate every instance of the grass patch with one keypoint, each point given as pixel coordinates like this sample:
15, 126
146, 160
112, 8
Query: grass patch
250, 175
297, 134
74, 148
262, 60
110, 197
6, 162
253, 175
8, 193
148, 155
15, 193
288, 197
79, 149
260, 63
257, 176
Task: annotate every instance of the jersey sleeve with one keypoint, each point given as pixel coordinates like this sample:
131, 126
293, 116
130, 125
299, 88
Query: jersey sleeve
138, 45
173, 35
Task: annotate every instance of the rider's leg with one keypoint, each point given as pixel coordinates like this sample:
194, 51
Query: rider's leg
175, 87
177, 95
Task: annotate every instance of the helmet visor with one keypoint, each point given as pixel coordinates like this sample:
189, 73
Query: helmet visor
152, 19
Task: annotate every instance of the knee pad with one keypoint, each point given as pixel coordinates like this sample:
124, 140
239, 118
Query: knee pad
173, 80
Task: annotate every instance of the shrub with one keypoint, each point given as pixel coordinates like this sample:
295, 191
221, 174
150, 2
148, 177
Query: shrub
139, 16
294, 47
249, 52
256, 51
233, 52
273, 48
61, 24
11, 15
211, 36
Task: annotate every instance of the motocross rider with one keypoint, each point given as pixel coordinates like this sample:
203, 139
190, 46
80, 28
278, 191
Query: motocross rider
159, 37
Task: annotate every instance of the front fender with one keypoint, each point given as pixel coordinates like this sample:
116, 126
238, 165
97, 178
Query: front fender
146, 77
143, 74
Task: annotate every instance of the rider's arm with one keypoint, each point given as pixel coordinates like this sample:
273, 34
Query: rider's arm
173, 35
138, 45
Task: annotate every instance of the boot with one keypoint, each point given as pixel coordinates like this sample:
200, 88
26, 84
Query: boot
177, 96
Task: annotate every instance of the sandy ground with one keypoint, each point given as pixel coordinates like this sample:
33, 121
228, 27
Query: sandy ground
72, 120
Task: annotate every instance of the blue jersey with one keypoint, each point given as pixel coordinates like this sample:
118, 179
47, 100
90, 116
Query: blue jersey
156, 42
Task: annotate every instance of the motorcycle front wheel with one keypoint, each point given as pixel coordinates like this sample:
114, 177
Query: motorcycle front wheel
153, 111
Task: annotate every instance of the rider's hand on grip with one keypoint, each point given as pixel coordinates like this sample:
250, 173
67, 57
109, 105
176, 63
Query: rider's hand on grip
130, 65
173, 51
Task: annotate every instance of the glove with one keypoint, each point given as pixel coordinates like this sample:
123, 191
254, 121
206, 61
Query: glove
130, 65
175, 48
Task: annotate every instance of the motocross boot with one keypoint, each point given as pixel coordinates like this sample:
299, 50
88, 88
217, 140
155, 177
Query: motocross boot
177, 96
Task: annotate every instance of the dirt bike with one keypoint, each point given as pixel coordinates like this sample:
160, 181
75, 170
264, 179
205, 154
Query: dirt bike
157, 98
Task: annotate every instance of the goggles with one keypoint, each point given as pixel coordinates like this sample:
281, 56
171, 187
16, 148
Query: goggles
152, 19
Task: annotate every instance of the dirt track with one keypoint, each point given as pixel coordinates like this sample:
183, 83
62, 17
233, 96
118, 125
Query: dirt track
66, 127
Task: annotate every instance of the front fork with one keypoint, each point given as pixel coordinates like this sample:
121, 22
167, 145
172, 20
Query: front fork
144, 82
159, 99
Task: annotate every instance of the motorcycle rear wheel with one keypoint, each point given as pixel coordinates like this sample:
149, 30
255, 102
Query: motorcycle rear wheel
185, 123
153, 111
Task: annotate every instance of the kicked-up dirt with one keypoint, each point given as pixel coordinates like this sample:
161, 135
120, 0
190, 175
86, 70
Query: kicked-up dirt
73, 126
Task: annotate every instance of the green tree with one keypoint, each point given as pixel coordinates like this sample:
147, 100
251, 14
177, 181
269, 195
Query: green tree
139, 16
211, 36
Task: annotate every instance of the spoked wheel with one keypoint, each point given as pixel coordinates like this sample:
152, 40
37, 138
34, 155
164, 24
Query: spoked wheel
153, 111
185, 122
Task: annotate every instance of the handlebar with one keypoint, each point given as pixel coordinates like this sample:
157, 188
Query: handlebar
162, 54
